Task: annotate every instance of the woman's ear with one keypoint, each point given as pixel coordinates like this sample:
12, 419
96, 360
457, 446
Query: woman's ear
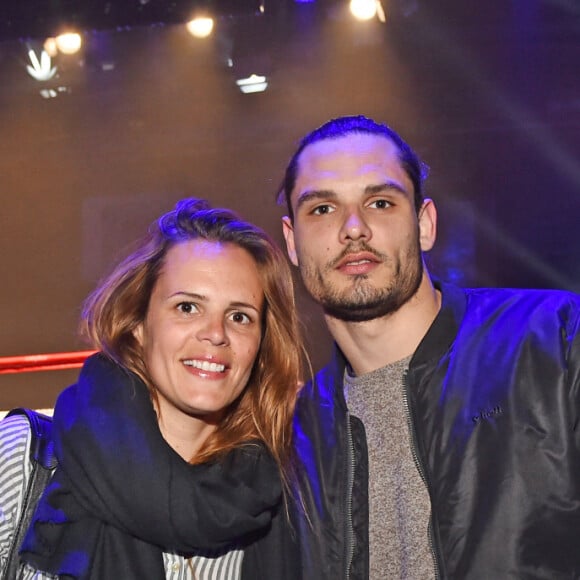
427, 225
138, 334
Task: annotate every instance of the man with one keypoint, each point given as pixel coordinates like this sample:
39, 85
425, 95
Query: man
443, 440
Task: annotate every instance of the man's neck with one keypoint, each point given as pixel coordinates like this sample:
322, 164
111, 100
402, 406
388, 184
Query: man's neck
375, 343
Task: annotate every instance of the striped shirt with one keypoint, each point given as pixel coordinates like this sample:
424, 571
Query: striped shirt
15, 469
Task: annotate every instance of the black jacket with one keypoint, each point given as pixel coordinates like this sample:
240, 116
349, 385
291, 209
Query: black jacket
494, 398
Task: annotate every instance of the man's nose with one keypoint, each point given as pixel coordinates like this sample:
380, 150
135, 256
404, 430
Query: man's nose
355, 227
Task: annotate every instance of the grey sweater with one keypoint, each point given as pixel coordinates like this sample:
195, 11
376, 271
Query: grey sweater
399, 505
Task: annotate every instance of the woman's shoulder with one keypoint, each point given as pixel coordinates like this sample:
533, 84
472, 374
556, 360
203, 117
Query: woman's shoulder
14, 461
14, 443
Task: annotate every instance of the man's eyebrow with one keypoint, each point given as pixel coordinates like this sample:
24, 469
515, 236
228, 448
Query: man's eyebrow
314, 194
387, 186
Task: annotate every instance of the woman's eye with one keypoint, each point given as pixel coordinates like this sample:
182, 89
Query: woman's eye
240, 318
322, 210
187, 307
380, 204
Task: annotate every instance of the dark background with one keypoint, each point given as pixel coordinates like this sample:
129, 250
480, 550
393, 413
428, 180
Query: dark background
488, 93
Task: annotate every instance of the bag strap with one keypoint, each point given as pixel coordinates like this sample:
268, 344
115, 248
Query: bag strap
43, 463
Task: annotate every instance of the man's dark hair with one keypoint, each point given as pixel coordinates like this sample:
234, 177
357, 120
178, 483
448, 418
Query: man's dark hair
343, 126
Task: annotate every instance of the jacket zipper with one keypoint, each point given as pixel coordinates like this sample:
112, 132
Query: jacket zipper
420, 469
349, 533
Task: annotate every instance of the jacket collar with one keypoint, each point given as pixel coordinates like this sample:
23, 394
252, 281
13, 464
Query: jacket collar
443, 330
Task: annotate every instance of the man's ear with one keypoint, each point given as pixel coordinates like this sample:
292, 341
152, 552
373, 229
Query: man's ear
427, 225
288, 230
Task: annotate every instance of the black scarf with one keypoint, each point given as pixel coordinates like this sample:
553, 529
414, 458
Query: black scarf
121, 496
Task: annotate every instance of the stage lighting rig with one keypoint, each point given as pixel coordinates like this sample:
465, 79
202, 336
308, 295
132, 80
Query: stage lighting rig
26, 19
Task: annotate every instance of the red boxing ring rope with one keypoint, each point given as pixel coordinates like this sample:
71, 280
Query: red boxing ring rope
43, 362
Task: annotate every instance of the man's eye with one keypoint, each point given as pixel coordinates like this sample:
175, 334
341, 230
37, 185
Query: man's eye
240, 318
187, 307
380, 204
322, 210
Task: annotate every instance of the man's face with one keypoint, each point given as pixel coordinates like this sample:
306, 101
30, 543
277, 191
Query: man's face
356, 236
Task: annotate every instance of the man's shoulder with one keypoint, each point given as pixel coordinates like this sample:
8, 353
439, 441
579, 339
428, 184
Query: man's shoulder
322, 381
539, 298
324, 389
546, 293
517, 311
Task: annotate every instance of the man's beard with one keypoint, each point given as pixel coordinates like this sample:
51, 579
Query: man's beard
363, 301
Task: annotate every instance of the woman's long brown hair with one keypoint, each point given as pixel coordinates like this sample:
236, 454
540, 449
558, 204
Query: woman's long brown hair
119, 304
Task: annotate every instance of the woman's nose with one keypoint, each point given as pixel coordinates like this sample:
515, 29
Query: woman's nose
212, 329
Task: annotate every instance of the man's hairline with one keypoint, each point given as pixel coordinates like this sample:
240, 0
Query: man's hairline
291, 214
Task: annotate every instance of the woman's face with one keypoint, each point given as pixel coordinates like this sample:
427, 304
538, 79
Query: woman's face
202, 331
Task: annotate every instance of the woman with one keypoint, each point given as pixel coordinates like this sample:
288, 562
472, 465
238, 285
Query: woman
175, 444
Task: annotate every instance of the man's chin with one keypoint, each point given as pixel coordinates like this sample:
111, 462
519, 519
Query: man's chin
369, 307
359, 312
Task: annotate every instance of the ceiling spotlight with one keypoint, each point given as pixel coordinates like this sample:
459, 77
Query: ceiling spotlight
50, 46
200, 27
363, 9
69, 42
